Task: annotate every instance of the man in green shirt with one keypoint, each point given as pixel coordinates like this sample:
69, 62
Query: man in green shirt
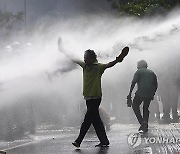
92, 73
146, 88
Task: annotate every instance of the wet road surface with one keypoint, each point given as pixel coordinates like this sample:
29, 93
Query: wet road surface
124, 139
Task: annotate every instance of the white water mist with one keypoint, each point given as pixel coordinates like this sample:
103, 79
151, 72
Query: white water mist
29, 74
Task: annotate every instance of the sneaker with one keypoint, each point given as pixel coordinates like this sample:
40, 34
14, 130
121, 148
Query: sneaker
143, 128
140, 128
102, 145
77, 145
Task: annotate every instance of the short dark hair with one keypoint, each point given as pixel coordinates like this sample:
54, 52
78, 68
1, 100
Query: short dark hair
91, 53
142, 64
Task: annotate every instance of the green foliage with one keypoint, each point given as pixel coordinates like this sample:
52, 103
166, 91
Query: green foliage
142, 7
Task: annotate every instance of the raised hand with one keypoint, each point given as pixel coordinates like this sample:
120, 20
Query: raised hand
123, 54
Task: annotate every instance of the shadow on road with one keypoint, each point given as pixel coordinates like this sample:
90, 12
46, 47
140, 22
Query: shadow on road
103, 150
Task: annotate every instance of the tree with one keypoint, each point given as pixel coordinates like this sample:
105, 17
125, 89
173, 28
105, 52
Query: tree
142, 7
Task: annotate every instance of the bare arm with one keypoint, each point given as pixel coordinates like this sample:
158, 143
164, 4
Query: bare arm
118, 59
155, 83
112, 63
131, 89
63, 51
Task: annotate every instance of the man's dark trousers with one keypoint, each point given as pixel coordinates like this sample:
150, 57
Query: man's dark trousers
136, 107
92, 117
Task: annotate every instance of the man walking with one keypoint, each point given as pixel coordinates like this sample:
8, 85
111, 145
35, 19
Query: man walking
92, 73
146, 88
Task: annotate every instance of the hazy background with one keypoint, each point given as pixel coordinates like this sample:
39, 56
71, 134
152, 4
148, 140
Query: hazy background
27, 84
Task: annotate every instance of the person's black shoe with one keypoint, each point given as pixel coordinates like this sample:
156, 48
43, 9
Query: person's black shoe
140, 128
77, 145
102, 145
143, 128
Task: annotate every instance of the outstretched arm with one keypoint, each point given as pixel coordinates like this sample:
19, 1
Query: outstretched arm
112, 63
63, 51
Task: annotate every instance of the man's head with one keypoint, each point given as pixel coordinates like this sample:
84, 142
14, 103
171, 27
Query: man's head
90, 57
142, 64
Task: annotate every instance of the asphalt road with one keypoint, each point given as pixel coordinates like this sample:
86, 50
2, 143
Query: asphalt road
124, 139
